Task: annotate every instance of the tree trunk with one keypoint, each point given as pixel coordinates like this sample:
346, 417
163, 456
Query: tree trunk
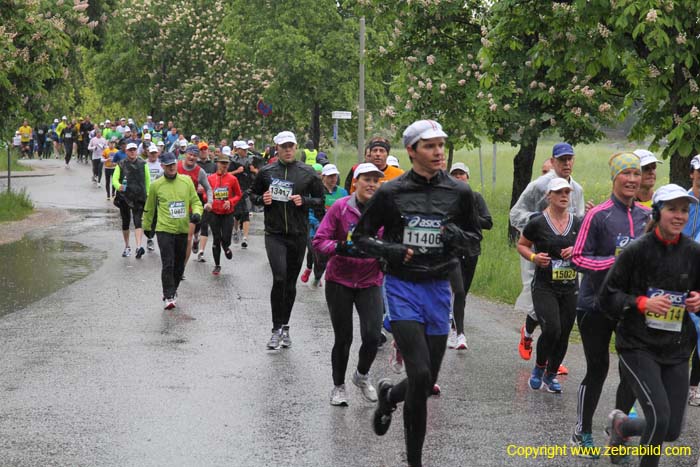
450, 154
679, 170
316, 124
522, 174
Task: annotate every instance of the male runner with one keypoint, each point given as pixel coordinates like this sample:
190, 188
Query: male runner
242, 167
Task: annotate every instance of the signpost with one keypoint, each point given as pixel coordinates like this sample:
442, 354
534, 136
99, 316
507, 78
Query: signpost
338, 115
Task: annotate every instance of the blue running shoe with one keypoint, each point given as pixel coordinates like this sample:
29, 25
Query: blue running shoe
536, 377
551, 383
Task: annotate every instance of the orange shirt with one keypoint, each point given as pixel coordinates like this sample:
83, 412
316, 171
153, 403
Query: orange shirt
107, 156
390, 173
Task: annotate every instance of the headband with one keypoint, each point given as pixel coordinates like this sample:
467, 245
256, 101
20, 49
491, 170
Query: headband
622, 161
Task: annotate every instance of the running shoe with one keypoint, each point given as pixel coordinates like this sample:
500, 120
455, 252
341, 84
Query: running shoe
382, 339
228, 253
109, 198
461, 342
584, 441
694, 397
362, 382
562, 370
169, 303
452, 339
338, 396
200, 257
536, 377
140, 252
127, 252
149, 245
316, 284
551, 383
395, 359
217, 270
284, 335
195, 244
382, 414
244, 243
305, 275
275, 339
235, 236
525, 346
436, 391
612, 428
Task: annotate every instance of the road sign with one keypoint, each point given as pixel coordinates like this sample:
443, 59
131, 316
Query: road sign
341, 115
264, 109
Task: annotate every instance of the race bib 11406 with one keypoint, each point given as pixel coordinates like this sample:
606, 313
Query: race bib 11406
423, 234
673, 319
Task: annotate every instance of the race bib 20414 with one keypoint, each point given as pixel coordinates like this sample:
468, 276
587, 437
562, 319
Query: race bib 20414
177, 209
671, 321
281, 190
562, 270
423, 234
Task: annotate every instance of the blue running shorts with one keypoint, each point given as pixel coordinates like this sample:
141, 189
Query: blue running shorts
427, 302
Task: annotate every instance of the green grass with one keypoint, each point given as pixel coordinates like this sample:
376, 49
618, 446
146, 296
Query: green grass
15, 205
498, 271
15, 166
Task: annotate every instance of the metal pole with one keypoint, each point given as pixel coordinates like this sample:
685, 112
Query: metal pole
361, 104
9, 168
493, 170
335, 140
481, 169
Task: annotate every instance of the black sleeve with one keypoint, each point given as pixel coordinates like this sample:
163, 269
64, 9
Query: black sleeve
485, 220
348, 180
316, 197
465, 238
379, 209
531, 230
616, 295
257, 188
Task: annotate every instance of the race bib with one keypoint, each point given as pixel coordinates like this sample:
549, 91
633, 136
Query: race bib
68, 135
281, 190
177, 209
423, 234
41, 132
621, 242
562, 270
221, 193
671, 321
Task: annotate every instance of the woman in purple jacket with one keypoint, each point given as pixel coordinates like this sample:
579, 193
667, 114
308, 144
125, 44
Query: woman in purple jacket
351, 279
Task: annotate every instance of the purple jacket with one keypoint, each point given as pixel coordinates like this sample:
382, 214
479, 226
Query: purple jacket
357, 273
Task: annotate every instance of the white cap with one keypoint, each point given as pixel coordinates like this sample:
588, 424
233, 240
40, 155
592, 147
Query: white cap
240, 145
161, 122
226, 150
131, 120
183, 143
55, 120
17, 132
194, 137
557, 184
670, 192
131, 146
147, 136
107, 121
329, 169
149, 118
695, 162
152, 148
422, 129
460, 166
160, 143
285, 137
392, 160
122, 119
145, 127
127, 130
64, 118
646, 157
251, 142
366, 168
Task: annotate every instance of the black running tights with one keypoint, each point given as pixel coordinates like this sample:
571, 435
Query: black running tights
221, 228
461, 281
285, 254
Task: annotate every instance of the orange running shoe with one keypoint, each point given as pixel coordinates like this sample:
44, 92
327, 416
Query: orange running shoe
525, 346
562, 370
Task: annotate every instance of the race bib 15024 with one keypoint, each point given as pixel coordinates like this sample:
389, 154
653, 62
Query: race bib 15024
671, 321
562, 270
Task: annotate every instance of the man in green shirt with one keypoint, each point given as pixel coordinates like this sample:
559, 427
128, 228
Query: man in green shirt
175, 199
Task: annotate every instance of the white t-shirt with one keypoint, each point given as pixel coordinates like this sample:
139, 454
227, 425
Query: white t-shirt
97, 146
17, 141
155, 169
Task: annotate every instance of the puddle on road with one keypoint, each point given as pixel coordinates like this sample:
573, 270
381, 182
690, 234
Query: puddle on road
33, 268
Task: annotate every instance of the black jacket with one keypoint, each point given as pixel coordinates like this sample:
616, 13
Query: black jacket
413, 209
650, 263
285, 217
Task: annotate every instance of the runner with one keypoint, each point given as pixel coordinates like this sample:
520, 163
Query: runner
606, 230
287, 188
227, 193
201, 233
25, 133
548, 241
379, 149
86, 128
241, 166
42, 133
155, 171
132, 181
108, 160
97, 146
351, 279
172, 196
648, 162
532, 202
428, 219
189, 167
461, 276
309, 153
648, 291
315, 216
68, 137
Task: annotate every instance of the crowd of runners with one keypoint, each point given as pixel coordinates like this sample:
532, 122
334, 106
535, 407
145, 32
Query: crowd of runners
401, 248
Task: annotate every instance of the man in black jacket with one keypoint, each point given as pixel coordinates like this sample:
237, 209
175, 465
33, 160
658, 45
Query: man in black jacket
288, 189
429, 220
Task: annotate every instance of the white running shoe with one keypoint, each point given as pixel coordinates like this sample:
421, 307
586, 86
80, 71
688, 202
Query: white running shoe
338, 396
461, 342
362, 382
452, 339
694, 396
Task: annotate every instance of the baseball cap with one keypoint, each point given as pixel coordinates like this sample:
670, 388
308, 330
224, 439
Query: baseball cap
113, 139
161, 122
145, 127
160, 143
646, 157
152, 148
64, 118
367, 168
147, 136
192, 149
123, 119
393, 161
562, 149
168, 158
695, 162
226, 150
251, 142
329, 169
127, 130
149, 117
322, 158
240, 145
131, 120
422, 129
557, 184
670, 192
183, 143
203, 145
194, 137
131, 146
317, 167
460, 166
55, 120
107, 121
285, 137
222, 158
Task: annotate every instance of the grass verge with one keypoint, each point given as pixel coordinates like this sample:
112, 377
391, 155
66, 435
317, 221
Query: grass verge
15, 205
15, 165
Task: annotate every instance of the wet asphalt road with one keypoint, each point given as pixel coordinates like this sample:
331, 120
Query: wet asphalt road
98, 374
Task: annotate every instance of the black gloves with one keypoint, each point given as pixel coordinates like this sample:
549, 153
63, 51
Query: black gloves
195, 218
